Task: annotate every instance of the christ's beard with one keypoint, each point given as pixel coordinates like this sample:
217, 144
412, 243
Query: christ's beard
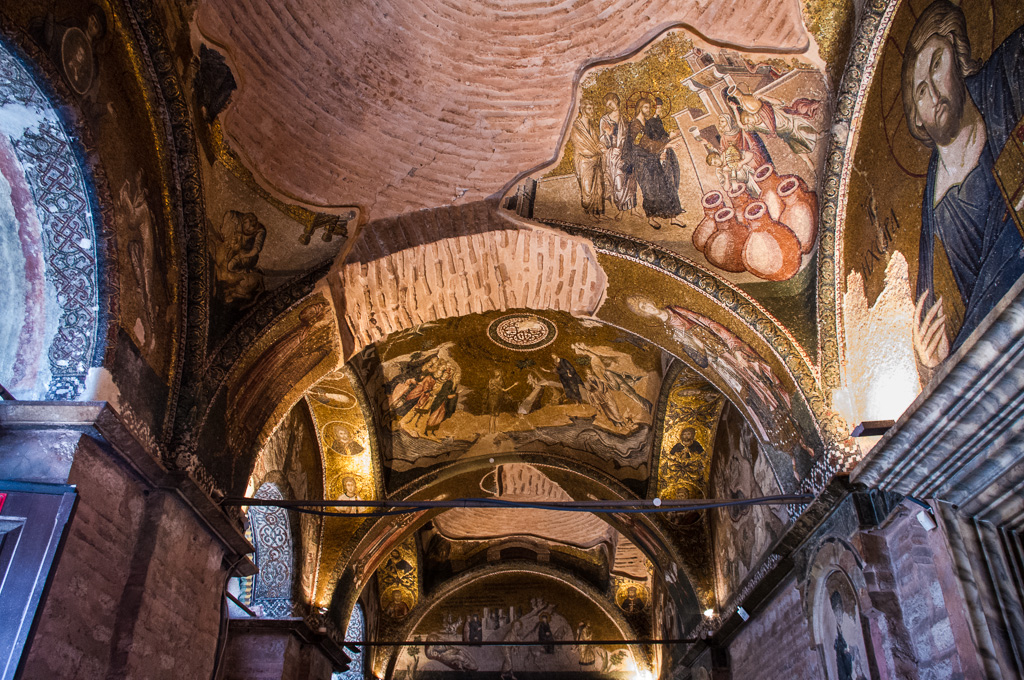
946, 131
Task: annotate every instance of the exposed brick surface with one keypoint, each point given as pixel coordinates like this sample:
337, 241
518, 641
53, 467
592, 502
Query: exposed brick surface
904, 561
472, 260
273, 655
397, 105
776, 643
136, 593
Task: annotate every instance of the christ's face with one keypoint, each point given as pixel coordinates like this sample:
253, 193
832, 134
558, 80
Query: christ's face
645, 109
938, 91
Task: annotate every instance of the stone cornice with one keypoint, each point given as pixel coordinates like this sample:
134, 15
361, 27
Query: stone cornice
101, 423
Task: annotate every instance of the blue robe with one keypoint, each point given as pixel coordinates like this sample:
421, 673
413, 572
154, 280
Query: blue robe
972, 220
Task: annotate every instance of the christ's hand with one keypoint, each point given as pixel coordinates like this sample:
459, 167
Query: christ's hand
930, 341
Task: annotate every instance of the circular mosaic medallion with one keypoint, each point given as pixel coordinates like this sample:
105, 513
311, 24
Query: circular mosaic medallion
522, 332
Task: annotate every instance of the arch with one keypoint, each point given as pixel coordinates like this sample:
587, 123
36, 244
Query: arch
463, 581
275, 557
369, 546
458, 261
53, 331
835, 599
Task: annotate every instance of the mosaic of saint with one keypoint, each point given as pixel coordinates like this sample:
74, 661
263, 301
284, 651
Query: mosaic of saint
514, 607
936, 195
691, 415
710, 152
398, 581
493, 383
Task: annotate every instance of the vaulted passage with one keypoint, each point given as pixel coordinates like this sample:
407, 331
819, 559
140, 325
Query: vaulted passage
511, 340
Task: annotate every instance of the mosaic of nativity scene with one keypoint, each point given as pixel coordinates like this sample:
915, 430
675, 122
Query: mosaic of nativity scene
736, 249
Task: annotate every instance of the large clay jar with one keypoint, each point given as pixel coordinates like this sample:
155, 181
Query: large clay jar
724, 248
772, 250
799, 212
740, 199
768, 182
712, 202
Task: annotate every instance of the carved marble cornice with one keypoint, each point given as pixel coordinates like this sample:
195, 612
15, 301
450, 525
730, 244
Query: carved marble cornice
962, 440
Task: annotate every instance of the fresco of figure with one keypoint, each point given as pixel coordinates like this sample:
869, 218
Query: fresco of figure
588, 160
620, 180
655, 166
965, 112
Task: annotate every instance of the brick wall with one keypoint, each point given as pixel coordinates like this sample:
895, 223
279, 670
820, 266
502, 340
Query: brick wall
913, 613
136, 592
905, 567
776, 643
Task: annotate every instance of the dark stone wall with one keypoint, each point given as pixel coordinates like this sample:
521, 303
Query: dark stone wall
273, 655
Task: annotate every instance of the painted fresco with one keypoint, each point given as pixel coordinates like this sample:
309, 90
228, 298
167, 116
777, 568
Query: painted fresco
838, 617
517, 607
712, 153
936, 192
517, 382
741, 534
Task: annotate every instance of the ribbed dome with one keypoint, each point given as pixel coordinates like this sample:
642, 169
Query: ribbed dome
405, 104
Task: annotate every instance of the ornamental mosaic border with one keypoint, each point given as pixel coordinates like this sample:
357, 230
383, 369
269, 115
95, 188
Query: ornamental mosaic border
65, 185
260, 318
187, 203
750, 313
856, 81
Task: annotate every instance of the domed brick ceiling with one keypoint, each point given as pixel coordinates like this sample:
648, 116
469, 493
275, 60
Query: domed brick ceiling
406, 104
